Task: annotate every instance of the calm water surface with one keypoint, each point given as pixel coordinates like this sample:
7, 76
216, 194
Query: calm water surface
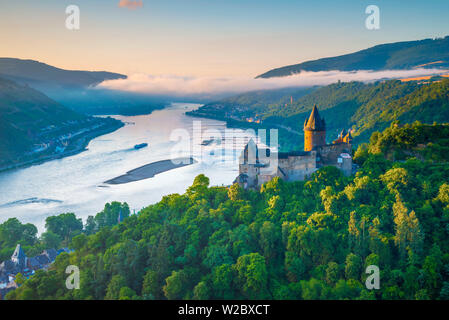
75, 184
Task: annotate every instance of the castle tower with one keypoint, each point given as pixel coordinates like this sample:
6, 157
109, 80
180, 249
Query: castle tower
314, 131
18, 257
248, 162
250, 153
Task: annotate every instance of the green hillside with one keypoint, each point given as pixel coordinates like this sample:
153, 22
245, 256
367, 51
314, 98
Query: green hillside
35, 72
77, 89
391, 56
23, 113
362, 107
301, 240
29, 120
402, 142
254, 103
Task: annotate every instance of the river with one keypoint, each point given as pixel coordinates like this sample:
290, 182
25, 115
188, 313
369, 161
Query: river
76, 183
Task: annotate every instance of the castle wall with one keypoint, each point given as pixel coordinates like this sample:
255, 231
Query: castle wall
264, 178
298, 167
313, 139
252, 172
331, 152
337, 155
346, 166
295, 165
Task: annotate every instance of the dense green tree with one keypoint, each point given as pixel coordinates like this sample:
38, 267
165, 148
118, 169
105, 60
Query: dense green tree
12, 231
290, 240
51, 239
252, 276
353, 267
115, 285
332, 273
199, 186
222, 281
151, 287
444, 293
270, 240
127, 294
201, 291
109, 216
65, 225
235, 192
174, 288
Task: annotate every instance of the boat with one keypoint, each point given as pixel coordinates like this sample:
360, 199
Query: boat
140, 146
207, 142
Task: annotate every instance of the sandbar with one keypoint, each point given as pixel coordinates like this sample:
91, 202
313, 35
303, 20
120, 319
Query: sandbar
151, 169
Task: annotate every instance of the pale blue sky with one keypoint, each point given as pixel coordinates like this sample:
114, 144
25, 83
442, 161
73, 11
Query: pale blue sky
207, 37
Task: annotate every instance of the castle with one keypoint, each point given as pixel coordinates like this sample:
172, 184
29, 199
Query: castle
257, 165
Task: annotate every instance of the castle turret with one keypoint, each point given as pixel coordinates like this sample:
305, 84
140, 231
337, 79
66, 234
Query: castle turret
343, 137
250, 153
248, 168
348, 138
314, 131
343, 134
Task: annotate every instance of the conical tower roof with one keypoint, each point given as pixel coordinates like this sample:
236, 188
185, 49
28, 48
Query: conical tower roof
348, 137
18, 253
315, 122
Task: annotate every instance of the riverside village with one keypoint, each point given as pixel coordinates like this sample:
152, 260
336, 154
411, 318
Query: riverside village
20, 263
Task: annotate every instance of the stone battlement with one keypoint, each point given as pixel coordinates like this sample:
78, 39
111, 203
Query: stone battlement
258, 166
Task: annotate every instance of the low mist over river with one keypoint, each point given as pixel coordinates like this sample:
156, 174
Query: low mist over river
76, 183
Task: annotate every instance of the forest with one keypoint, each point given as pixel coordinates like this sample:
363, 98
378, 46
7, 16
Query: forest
289, 240
363, 107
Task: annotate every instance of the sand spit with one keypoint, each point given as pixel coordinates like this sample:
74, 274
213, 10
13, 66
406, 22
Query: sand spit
151, 169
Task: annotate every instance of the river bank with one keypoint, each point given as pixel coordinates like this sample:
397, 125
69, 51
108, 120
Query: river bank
76, 183
288, 139
76, 147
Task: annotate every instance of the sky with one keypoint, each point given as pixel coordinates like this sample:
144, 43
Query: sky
206, 38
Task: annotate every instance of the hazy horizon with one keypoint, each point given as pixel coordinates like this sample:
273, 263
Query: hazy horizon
202, 38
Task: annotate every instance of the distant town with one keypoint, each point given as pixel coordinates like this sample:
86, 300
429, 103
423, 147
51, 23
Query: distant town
64, 139
21, 264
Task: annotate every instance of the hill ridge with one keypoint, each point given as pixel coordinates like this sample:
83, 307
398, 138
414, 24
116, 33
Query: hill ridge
31, 71
387, 56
